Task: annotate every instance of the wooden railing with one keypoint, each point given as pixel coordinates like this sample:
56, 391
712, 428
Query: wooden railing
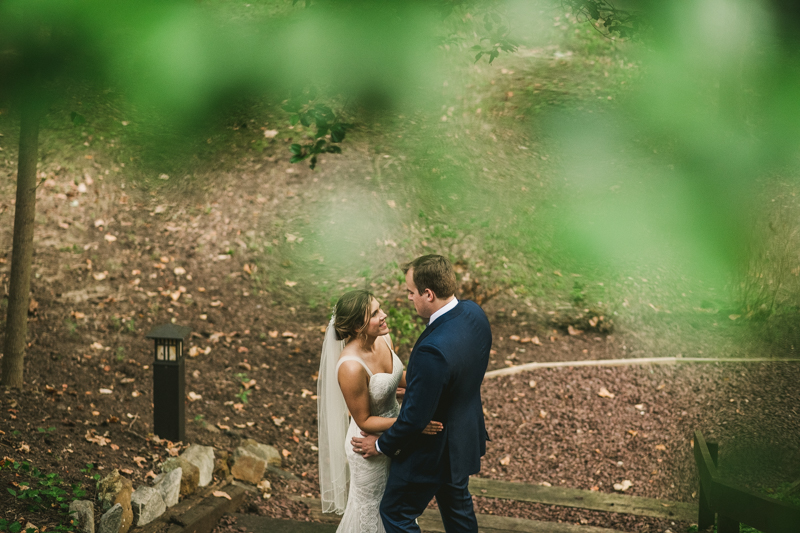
735, 505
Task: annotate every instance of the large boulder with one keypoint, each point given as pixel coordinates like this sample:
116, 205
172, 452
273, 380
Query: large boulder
247, 466
115, 489
190, 474
169, 486
82, 512
269, 454
147, 505
203, 458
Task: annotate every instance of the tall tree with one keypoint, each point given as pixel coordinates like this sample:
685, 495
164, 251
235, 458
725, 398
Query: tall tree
22, 251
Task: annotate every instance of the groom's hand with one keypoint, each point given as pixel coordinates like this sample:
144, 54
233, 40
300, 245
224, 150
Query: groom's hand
365, 446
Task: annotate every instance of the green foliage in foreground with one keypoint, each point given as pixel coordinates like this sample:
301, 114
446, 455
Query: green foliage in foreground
41, 492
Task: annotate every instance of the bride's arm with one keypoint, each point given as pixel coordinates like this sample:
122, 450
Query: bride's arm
355, 388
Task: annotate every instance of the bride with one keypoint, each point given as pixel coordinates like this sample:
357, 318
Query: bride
358, 373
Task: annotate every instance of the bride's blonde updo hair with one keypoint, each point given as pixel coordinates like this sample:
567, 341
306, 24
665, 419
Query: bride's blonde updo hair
352, 313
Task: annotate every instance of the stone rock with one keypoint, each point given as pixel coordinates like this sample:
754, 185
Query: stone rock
265, 488
115, 489
169, 486
111, 521
203, 458
109, 487
248, 466
82, 512
190, 478
221, 466
147, 505
221, 469
269, 454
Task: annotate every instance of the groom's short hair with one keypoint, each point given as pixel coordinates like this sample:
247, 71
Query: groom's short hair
433, 272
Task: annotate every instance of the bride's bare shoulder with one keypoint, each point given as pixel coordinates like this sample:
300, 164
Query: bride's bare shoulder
350, 371
350, 365
349, 349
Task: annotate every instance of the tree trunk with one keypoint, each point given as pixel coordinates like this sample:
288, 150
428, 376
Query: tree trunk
22, 251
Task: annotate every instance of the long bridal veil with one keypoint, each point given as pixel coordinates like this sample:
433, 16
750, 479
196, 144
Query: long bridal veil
332, 423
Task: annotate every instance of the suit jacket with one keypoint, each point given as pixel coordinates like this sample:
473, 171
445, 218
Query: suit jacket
444, 377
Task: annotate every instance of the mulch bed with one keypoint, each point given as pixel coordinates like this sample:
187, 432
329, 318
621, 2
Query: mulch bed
560, 431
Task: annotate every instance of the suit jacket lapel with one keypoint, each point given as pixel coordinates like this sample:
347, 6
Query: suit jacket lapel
438, 322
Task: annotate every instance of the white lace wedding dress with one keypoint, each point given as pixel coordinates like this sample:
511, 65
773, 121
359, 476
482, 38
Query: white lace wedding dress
368, 476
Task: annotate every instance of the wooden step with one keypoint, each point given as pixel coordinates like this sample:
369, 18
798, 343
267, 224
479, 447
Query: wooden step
431, 521
583, 499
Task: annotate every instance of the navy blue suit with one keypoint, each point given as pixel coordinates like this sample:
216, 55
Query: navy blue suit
444, 377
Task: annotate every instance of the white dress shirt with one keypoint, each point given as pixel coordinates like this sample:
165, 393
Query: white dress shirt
445, 308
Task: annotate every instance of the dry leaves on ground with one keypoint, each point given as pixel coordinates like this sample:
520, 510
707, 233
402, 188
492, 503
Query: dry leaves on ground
102, 440
622, 487
603, 393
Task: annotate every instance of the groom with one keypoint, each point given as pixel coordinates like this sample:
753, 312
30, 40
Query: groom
444, 378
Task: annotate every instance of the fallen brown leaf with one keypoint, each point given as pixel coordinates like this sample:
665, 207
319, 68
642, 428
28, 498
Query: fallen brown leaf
97, 439
603, 393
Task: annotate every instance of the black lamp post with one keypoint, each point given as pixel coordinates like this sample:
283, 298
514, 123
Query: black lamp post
169, 382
